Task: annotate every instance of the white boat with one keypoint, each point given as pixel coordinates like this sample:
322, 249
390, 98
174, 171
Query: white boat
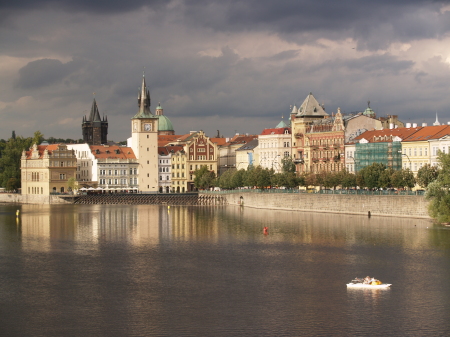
367, 283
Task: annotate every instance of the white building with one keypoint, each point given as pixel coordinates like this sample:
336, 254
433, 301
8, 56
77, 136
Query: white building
273, 145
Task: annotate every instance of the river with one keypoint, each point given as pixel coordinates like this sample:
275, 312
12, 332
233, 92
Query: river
99, 270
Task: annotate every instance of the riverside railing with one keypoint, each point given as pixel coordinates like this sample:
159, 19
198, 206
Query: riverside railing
323, 191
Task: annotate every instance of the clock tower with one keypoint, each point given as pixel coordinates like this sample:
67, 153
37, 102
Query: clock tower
144, 135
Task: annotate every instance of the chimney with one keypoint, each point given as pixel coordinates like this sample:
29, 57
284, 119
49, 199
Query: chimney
391, 126
408, 125
414, 125
425, 124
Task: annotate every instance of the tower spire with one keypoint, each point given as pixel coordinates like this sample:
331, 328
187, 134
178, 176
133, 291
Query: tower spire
144, 100
437, 121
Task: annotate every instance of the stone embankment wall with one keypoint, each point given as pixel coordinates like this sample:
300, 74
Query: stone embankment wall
378, 205
31, 199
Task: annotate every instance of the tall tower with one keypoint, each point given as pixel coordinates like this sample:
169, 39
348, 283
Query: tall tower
144, 135
95, 130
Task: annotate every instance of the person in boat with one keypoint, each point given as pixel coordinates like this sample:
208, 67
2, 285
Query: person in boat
367, 280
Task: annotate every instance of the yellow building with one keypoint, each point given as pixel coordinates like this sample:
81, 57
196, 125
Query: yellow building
179, 172
47, 168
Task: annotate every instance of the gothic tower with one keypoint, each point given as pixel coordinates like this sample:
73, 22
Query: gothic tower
144, 141
95, 130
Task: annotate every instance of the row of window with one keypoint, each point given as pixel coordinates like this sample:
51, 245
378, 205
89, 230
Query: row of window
118, 172
417, 151
115, 181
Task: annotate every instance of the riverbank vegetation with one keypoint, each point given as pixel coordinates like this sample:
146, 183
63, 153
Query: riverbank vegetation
438, 191
10, 154
375, 176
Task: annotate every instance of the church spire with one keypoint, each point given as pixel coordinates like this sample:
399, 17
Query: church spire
437, 121
144, 101
94, 115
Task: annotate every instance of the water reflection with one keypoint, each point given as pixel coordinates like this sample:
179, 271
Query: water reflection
39, 224
153, 270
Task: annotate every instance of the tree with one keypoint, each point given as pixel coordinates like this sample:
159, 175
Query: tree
372, 174
12, 184
238, 178
287, 164
438, 191
204, 178
225, 179
72, 184
38, 137
385, 178
403, 178
426, 175
347, 179
10, 160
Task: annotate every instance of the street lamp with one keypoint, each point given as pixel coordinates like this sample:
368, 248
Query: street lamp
404, 154
275, 160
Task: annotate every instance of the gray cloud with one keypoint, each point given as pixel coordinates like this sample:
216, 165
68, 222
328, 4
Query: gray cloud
233, 66
44, 72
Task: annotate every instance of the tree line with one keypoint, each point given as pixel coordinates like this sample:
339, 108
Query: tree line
375, 176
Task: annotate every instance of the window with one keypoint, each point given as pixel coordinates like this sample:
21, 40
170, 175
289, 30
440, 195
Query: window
62, 176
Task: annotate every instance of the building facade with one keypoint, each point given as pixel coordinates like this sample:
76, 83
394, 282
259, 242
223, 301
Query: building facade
47, 169
274, 145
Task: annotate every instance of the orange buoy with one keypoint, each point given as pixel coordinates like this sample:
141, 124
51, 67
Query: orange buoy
266, 230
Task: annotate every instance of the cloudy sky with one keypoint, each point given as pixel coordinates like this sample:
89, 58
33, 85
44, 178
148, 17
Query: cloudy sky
233, 66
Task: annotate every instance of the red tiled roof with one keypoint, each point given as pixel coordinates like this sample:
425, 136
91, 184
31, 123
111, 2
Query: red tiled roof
240, 139
218, 141
275, 131
112, 152
429, 132
402, 133
165, 150
41, 148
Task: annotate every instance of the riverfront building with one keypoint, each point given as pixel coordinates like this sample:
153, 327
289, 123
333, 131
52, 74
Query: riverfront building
317, 138
273, 145
227, 151
106, 167
47, 169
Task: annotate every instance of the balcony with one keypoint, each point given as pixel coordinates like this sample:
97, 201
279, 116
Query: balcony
298, 161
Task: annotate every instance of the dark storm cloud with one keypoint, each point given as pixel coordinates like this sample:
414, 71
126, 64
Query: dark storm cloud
92, 6
44, 72
374, 24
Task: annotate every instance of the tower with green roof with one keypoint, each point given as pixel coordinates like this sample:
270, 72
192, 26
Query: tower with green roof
165, 126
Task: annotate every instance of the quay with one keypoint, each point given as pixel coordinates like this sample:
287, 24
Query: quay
406, 206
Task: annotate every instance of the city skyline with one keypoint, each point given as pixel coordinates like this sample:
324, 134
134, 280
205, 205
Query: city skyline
232, 67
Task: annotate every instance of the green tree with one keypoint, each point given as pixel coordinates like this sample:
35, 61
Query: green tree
287, 164
225, 180
426, 175
38, 137
72, 184
10, 160
204, 178
438, 191
385, 180
12, 184
371, 175
403, 178
238, 178
347, 179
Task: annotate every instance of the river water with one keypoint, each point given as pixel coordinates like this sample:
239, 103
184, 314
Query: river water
100, 270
